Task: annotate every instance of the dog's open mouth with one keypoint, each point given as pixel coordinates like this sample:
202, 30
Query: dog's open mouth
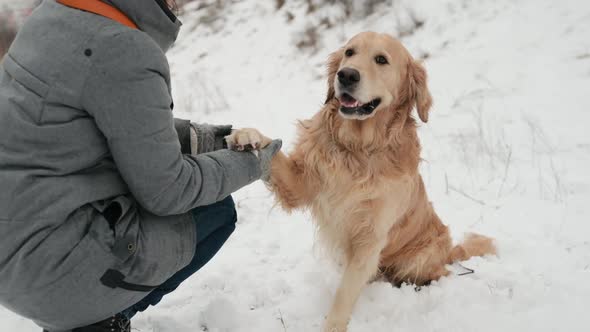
350, 106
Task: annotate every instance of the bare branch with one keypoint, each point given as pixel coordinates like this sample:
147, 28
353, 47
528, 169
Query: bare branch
507, 166
480, 202
282, 320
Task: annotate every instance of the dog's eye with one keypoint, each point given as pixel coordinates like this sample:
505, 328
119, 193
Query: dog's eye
380, 59
349, 52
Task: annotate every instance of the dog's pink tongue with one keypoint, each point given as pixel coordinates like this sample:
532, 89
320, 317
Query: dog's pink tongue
351, 104
348, 101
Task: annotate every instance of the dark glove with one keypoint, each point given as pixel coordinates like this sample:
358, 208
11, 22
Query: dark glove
183, 130
266, 155
208, 138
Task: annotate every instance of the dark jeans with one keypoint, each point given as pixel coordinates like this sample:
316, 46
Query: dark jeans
215, 223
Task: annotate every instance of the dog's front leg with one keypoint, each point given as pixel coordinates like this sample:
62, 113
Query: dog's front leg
360, 269
288, 183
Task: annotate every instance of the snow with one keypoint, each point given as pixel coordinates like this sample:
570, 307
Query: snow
13, 5
506, 154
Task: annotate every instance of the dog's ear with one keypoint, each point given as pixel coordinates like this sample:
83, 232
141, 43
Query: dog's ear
418, 89
333, 65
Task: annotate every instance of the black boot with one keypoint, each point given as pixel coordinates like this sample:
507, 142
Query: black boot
117, 323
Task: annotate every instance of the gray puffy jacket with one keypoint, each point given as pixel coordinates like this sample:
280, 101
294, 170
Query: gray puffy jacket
86, 135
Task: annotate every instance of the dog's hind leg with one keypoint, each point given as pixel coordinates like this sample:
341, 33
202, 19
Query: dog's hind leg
473, 245
359, 271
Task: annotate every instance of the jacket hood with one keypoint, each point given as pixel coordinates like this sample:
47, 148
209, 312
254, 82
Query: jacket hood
153, 18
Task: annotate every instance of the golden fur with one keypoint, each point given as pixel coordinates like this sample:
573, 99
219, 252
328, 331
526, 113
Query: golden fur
360, 180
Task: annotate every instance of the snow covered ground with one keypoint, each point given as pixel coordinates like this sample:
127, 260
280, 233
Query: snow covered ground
20, 5
507, 154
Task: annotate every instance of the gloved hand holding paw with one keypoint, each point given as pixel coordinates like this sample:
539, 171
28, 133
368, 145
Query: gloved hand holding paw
251, 140
196, 138
207, 138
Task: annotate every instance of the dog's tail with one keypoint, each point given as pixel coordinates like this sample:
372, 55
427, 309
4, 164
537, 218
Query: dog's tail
473, 245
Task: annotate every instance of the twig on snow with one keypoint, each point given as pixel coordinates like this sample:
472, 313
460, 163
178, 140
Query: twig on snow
467, 196
507, 166
282, 320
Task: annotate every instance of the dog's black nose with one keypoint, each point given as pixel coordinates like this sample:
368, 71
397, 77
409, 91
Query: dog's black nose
348, 76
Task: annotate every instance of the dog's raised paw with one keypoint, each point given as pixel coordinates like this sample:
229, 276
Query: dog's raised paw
247, 139
332, 326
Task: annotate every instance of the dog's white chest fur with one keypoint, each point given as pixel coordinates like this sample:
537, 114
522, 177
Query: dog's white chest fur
348, 212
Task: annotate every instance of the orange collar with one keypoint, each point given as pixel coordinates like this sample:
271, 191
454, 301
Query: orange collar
100, 8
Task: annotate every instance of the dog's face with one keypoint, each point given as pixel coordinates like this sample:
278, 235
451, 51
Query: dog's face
372, 72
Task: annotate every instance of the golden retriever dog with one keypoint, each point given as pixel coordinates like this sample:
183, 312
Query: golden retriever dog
355, 167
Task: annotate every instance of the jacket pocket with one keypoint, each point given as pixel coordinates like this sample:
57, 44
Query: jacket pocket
117, 213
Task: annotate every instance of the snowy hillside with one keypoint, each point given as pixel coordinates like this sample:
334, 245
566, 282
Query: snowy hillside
507, 154
18, 6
